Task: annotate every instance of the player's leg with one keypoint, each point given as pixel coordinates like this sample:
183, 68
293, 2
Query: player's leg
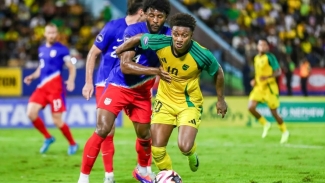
189, 121
255, 97
162, 124
140, 113
57, 102
36, 102
107, 146
273, 103
109, 106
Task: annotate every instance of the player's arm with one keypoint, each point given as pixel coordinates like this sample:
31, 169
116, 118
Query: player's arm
36, 74
72, 73
127, 64
129, 44
214, 69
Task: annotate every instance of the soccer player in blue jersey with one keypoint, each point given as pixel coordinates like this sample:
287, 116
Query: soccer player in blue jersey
52, 56
131, 93
109, 38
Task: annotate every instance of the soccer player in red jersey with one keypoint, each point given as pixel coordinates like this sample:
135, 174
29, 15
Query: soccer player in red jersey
109, 38
52, 56
131, 92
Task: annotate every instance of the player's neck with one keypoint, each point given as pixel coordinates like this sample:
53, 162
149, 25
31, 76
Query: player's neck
48, 44
262, 53
131, 19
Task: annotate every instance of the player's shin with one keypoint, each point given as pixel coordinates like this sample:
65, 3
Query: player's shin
108, 150
192, 158
143, 148
161, 158
90, 153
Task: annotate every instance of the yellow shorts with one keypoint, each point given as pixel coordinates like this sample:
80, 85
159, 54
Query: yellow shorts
171, 114
268, 95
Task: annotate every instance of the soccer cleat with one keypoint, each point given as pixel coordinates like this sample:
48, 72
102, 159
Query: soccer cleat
266, 129
109, 180
46, 144
73, 149
285, 137
193, 161
143, 179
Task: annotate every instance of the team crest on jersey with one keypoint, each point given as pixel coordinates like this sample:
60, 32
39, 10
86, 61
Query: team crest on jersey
52, 53
99, 38
107, 101
185, 67
145, 40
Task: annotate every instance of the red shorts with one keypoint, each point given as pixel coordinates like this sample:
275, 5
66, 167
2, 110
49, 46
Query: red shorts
99, 92
137, 105
51, 93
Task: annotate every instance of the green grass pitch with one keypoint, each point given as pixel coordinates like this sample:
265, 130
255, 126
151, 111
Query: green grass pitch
227, 155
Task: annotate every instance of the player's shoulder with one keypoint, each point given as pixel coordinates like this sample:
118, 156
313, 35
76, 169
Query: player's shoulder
137, 27
269, 54
199, 49
165, 30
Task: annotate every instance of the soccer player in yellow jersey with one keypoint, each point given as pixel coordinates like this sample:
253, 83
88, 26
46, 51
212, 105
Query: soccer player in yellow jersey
265, 88
179, 99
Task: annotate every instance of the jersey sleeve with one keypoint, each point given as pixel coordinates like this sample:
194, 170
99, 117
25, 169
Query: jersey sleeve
154, 41
211, 63
105, 37
65, 53
273, 61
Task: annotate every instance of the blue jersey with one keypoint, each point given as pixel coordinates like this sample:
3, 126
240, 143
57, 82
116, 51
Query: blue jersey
109, 38
144, 57
52, 61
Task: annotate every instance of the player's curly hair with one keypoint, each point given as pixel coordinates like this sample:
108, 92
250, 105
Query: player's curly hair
134, 6
160, 5
184, 20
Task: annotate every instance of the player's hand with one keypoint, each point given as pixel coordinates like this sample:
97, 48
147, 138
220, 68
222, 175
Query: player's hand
164, 75
263, 78
88, 90
70, 85
222, 107
252, 82
28, 79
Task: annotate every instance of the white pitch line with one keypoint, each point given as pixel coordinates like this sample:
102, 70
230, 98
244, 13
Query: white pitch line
302, 146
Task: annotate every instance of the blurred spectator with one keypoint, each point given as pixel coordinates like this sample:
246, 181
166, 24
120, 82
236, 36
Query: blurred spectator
294, 28
288, 69
305, 70
22, 25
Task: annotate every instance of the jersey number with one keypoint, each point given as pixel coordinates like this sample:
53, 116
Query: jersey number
57, 104
41, 63
158, 105
172, 70
136, 58
113, 54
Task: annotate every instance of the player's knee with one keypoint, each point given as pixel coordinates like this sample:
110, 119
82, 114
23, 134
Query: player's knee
57, 120
251, 108
158, 153
32, 114
185, 146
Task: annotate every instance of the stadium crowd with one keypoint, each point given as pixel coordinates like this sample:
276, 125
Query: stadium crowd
295, 29
22, 25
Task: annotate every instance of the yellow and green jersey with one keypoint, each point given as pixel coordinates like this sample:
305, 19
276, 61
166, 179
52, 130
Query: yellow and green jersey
264, 65
185, 70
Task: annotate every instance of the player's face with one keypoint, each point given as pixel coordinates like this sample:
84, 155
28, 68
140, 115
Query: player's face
262, 46
51, 34
182, 37
155, 20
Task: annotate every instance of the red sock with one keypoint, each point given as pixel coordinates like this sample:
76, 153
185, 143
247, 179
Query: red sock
143, 148
90, 153
39, 125
108, 153
67, 133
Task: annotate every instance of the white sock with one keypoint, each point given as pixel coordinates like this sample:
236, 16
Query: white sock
109, 175
149, 169
83, 178
142, 170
